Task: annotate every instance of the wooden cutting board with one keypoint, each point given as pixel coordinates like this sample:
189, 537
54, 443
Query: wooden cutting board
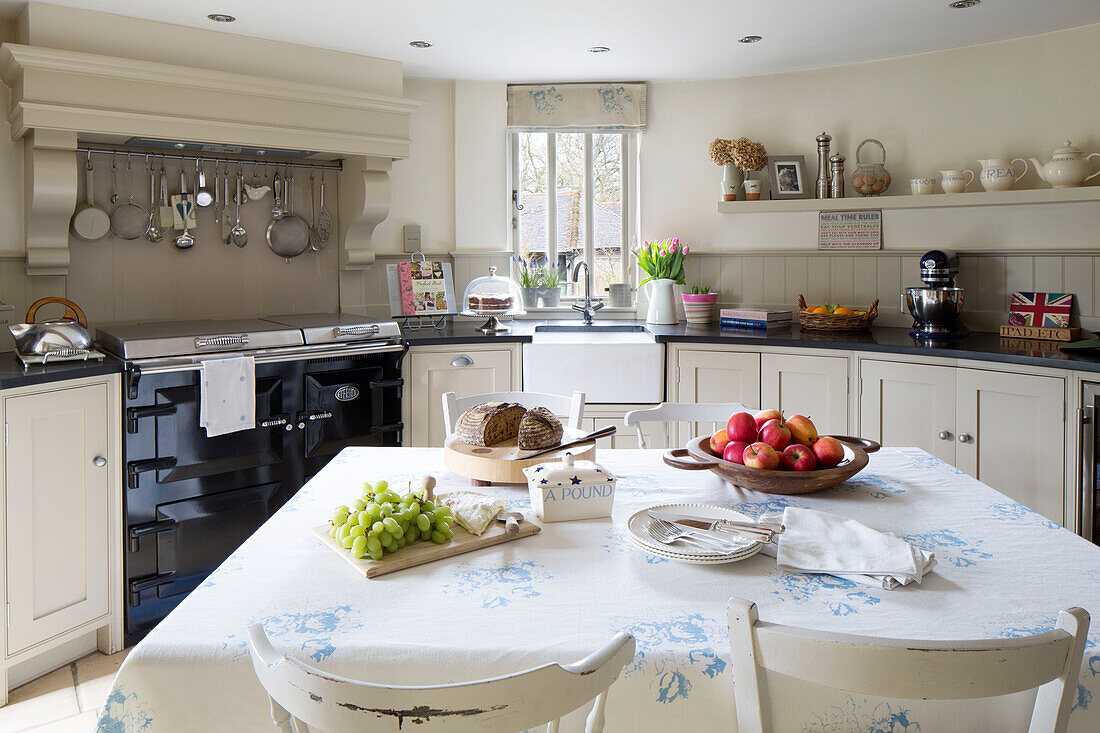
503, 463
420, 553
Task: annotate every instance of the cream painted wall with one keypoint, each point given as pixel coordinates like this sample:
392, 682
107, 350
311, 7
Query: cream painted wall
481, 160
932, 112
422, 185
88, 31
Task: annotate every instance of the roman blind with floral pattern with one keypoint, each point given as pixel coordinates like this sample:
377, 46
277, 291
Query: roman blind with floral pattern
596, 108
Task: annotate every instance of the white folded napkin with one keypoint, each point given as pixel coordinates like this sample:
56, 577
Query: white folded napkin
820, 542
227, 395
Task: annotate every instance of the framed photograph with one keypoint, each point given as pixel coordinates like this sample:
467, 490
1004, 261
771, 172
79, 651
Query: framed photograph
787, 176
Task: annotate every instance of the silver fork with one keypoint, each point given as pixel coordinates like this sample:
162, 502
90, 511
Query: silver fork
666, 533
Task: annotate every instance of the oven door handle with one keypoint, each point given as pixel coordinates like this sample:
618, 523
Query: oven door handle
145, 582
133, 414
140, 530
134, 468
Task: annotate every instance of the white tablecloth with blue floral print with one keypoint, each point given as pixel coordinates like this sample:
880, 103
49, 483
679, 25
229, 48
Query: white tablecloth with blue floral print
1003, 571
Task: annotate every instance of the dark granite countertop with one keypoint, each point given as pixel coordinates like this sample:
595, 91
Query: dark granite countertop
12, 373
981, 346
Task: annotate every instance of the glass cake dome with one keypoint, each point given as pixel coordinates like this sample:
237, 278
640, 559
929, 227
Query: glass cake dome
492, 296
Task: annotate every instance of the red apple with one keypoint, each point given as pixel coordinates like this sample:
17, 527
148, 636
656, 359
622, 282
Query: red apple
802, 430
718, 442
742, 426
797, 457
761, 455
775, 434
829, 452
735, 452
764, 415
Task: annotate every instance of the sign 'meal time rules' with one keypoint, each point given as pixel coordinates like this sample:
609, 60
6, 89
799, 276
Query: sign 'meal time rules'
849, 229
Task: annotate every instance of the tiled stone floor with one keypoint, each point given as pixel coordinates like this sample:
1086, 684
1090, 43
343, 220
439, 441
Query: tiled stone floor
66, 700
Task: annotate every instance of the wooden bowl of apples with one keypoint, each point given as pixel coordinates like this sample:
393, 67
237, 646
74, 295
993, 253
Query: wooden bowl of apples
767, 453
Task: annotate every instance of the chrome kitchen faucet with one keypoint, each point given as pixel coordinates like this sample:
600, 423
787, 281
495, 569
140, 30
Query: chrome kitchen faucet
587, 309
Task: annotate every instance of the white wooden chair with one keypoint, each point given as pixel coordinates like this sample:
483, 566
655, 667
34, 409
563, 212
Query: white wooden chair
906, 668
668, 413
304, 698
572, 408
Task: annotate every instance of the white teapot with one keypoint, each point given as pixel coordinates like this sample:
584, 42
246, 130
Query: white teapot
1067, 168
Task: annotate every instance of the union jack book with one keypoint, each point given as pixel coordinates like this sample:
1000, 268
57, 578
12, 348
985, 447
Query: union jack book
1050, 310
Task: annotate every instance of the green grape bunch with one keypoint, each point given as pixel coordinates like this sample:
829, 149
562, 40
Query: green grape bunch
382, 521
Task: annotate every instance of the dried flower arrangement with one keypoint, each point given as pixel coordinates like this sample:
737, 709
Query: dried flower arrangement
748, 155
721, 151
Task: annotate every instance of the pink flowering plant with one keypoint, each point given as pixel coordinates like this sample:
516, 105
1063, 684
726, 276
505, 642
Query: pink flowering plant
662, 260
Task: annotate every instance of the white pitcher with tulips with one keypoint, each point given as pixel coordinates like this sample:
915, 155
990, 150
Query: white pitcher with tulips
663, 261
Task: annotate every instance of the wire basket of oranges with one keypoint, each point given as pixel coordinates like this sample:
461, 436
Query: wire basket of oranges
831, 317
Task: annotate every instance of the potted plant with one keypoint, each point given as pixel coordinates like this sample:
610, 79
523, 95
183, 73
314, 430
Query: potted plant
736, 157
663, 262
550, 292
530, 277
699, 305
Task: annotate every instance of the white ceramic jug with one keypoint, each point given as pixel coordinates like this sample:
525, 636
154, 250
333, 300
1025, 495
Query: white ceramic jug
662, 302
999, 174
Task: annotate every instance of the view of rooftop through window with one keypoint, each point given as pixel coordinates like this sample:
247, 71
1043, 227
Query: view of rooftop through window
565, 156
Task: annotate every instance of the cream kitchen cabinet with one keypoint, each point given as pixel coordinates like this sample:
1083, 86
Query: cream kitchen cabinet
602, 415
1005, 429
815, 386
468, 369
710, 375
910, 405
61, 509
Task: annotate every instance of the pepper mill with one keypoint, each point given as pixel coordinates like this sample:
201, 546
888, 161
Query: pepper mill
836, 166
823, 165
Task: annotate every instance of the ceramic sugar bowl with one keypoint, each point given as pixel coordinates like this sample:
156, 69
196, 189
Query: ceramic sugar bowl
1068, 167
571, 489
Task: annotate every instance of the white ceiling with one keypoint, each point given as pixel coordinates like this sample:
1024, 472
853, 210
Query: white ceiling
654, 40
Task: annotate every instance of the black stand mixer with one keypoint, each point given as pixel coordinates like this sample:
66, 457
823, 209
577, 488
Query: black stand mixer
936, 307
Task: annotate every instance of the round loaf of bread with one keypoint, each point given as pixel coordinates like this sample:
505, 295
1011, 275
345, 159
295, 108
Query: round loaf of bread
489, 423
539, 429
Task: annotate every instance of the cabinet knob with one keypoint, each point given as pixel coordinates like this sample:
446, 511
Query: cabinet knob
945, 435
99, 461
461, 360
965, 438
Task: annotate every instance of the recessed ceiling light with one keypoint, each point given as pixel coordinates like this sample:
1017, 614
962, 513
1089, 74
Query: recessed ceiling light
420, 44
221, 18
960, 4
180, 146
750, 39
599, 49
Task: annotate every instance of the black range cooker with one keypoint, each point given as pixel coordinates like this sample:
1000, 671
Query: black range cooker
323, 382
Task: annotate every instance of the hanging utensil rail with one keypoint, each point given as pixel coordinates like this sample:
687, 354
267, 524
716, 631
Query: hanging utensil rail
217, 158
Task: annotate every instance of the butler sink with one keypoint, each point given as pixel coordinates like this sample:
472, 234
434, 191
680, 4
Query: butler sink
610, 363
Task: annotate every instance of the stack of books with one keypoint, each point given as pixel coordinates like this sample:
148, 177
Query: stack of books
753, 319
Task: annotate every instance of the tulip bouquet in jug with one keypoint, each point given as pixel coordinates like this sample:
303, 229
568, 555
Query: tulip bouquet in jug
768, 440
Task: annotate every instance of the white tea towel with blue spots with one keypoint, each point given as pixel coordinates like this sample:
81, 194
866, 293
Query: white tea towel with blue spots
227, 401
822, 542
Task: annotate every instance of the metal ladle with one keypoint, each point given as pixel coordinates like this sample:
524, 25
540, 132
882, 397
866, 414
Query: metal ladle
185, 240
238, 234
154, 233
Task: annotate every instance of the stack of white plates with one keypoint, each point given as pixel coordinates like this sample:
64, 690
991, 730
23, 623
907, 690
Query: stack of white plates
742, 547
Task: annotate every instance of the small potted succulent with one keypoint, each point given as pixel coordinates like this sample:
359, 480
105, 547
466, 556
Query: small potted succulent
530, 278
699, 305
550, 290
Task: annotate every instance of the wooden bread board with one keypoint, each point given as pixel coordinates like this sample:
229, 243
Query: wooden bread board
503, 463
423, 552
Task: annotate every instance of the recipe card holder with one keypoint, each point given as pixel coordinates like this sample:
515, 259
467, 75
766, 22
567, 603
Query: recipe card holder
418, 289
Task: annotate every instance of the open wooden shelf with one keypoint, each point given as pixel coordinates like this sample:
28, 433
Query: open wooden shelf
907, 201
